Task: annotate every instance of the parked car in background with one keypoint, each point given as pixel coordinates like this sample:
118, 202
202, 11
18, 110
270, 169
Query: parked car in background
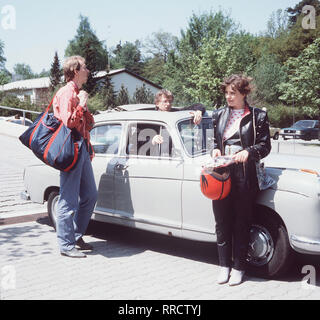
159, 191
274, 133
18, 120
302, 129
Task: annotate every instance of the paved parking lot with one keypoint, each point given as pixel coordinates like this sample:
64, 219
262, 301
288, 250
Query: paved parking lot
125, 263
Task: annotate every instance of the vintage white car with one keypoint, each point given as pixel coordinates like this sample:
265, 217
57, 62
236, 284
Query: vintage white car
157, 188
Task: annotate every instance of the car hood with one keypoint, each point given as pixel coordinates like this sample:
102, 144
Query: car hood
289, 161
282, 161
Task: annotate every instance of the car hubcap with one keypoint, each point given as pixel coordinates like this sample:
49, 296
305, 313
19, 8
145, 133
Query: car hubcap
261, 246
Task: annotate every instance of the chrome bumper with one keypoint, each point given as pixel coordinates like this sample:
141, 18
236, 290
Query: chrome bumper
305, 245
25, 195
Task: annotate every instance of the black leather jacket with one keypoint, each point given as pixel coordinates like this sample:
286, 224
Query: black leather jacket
258, 150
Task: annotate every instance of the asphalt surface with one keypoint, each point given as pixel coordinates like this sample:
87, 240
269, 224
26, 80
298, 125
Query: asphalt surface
126, 264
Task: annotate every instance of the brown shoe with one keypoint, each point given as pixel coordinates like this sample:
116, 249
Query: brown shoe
83, 245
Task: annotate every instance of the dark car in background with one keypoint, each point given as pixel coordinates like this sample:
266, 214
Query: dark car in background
302, 129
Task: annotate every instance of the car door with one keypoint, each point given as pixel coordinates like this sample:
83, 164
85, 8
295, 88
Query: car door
148, 178
105, 139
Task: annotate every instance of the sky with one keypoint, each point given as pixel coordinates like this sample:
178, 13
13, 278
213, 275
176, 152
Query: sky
33, 30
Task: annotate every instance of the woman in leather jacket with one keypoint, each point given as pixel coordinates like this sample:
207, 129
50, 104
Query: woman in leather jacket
243, 132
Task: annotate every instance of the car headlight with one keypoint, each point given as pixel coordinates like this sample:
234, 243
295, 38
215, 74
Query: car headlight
281, 131
298, 132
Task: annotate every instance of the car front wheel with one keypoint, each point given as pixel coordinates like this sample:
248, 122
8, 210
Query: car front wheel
276, 136
269, 253
52, 207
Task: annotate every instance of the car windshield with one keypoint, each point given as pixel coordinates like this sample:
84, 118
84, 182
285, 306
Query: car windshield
304, 124
197, 139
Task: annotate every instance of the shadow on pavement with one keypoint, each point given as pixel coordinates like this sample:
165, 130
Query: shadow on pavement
114, 241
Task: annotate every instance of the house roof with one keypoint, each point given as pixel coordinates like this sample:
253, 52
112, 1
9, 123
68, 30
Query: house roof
39, 83
111, 73
27, 84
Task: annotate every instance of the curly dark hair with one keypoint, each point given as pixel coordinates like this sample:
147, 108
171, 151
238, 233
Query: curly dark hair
239, 82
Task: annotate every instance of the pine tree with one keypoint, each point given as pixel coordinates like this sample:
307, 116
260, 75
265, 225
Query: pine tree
108, 94
87, 45
123, 96
143, 95
55, 72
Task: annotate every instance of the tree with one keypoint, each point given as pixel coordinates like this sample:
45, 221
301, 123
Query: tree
55, 71
277, 24
161, 44
268, 74
87, 45
295, 13
5, 76
181, 66
108, 94
302, 86
215, 60
143, 95
127, 56
23, 71
123, 96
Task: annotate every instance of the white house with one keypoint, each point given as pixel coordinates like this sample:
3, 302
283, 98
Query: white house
130, 80
36, 89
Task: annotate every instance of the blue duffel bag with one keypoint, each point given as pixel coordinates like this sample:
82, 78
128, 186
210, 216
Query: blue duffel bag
52, 142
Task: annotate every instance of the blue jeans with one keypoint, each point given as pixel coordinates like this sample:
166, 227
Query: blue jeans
78, 196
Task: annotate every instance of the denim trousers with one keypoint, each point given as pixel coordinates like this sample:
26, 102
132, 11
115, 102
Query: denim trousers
77, 198
233, 217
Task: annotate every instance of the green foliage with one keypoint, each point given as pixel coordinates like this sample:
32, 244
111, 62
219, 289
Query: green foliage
127, 56
303, 87
295, 12
268, 74
218, 58
23, 71
87, 45
55, 71
95, 103
5, 76
123, 96
143, 95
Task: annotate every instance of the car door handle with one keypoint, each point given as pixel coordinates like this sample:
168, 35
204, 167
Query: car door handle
121, 167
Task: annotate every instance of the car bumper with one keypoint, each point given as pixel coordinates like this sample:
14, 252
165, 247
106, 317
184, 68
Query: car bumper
292, 135
25, 195
305, 245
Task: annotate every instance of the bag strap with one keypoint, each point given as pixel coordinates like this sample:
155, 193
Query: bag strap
49, 106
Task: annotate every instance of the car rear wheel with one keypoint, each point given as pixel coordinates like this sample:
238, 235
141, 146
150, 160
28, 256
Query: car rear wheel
52, 207
269, 253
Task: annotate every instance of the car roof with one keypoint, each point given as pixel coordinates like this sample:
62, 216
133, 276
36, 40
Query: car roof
143, 114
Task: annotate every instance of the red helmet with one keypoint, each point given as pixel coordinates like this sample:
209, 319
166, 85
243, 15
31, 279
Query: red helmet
215, 185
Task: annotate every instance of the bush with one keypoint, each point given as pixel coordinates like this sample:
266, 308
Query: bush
282, 116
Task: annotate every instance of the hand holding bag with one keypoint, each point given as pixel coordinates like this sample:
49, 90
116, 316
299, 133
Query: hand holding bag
52, 142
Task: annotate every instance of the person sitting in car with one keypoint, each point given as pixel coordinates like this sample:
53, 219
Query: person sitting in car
163, 102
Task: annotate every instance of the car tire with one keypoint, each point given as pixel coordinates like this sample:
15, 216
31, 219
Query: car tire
271, 254
276, 136
52, 207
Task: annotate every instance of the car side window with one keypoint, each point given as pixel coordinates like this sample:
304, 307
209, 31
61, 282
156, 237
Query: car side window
139, 140
105, 139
